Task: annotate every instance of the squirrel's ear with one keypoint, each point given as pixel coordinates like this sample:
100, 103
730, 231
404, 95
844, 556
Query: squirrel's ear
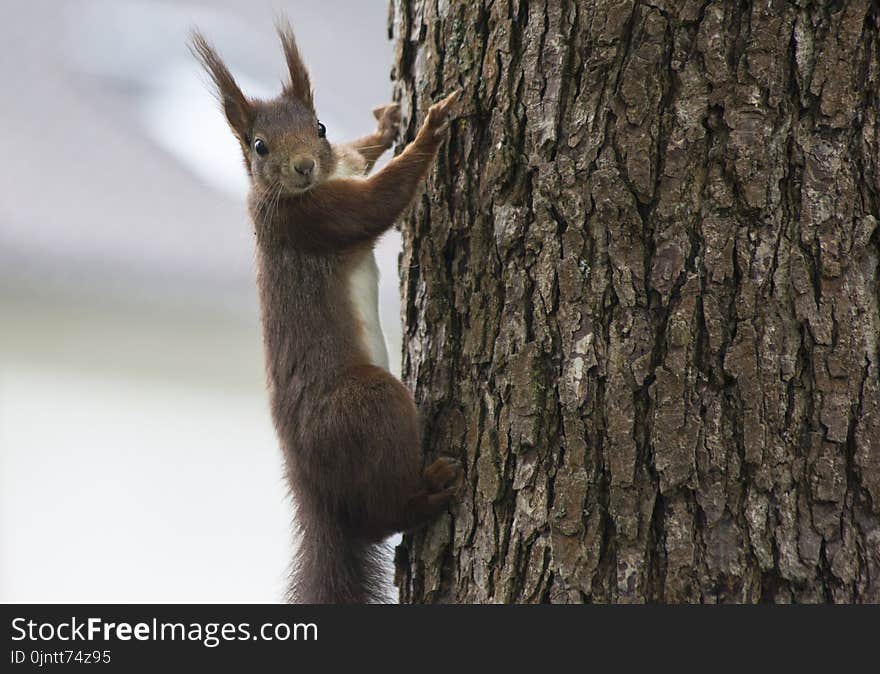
300, 86
238, 109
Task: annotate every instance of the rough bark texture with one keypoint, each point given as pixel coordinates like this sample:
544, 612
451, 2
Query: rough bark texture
641, 299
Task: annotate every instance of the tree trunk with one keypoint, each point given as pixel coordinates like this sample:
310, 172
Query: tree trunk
642, 300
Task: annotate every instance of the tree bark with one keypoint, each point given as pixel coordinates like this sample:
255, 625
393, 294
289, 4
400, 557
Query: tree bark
642, 299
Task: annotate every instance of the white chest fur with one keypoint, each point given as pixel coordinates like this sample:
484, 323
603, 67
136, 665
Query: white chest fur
363, 288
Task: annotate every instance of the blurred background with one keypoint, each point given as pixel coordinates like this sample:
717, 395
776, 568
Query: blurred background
137, 458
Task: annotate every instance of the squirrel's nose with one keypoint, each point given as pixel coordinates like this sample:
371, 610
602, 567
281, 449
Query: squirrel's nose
303, 165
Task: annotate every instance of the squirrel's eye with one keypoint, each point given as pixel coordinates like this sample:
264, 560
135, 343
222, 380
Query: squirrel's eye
261, 147
322, 130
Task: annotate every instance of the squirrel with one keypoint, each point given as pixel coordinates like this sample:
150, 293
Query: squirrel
349, 430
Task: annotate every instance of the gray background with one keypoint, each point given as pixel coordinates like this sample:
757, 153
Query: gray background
137, 459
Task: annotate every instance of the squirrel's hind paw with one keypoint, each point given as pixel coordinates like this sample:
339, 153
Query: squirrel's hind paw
443, 474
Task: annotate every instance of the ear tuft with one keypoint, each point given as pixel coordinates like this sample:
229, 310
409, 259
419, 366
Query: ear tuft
300, 86
238, 109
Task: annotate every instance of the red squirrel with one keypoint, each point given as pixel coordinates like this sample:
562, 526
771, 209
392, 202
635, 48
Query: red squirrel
349, 430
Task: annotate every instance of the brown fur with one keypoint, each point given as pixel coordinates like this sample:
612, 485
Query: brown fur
349, 429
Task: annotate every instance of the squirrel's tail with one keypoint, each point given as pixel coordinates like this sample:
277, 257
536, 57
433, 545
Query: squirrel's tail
332, 567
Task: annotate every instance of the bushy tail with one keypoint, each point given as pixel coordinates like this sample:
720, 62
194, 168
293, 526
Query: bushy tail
330, 567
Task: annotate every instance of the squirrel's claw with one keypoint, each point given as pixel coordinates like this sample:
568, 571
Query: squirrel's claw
389, 120
443, 475
440, 114
380, 110
451, 99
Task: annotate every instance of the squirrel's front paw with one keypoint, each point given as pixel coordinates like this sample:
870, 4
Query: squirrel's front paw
388, 117
440, 114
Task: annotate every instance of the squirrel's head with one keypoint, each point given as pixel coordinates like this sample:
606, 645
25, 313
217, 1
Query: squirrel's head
284, 144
